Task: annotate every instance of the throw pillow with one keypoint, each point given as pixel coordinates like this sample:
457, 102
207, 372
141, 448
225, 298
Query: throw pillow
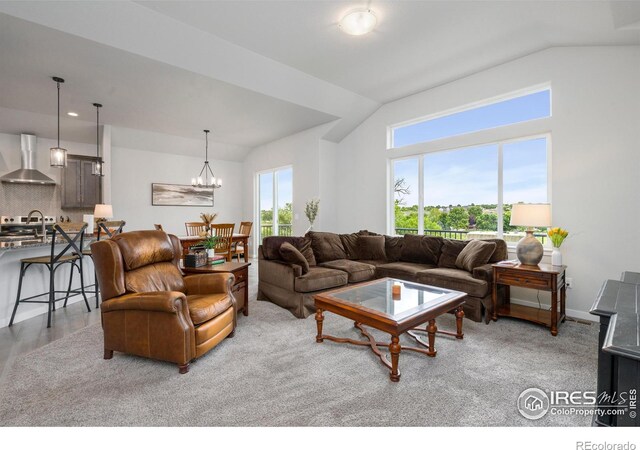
421, 249
393, 247
292, 255
371, 248
476, 253
350, 244
450, 251
271, 247
326, 246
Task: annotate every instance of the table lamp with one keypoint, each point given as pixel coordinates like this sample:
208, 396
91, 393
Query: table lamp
103, 212
529, 250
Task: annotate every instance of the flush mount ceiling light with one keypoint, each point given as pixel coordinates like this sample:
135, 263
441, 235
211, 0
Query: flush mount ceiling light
358, 22
208, 180
58, 155
72, 114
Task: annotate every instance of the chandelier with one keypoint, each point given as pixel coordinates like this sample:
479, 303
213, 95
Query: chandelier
206, 177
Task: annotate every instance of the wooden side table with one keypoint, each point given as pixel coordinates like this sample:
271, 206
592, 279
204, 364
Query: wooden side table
240, 271
543, 277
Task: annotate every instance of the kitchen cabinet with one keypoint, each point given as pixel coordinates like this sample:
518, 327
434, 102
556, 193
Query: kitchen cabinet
80, 188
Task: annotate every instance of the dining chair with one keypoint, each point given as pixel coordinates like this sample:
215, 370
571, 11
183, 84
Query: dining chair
238, 248
195, 228
224, 233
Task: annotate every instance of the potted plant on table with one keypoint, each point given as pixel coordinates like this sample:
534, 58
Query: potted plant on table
210, 244
557, 235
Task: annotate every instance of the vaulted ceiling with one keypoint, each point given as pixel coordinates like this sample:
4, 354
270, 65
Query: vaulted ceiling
255, 71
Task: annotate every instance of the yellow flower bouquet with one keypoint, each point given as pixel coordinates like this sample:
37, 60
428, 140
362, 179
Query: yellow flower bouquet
557, 235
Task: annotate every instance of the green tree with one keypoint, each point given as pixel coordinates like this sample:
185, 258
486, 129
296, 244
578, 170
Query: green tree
458, 218
474, 211
487, 222
285, 215
266, 216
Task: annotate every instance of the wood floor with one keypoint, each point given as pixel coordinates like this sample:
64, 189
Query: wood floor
28, 335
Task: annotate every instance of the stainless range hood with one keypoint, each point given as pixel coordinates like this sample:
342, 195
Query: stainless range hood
27, 174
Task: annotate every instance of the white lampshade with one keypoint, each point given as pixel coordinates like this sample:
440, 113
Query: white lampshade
531, 215
103, 211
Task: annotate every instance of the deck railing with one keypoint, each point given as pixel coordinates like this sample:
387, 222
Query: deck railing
284, 229
473, 234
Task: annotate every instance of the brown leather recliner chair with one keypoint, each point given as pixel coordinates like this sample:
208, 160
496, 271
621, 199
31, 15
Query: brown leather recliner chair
150, 309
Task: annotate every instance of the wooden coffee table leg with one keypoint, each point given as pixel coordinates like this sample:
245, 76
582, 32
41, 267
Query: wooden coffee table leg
459, 317
394, 349
431, 331
319, 320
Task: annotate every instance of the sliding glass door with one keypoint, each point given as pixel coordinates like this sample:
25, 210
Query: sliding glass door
275, 197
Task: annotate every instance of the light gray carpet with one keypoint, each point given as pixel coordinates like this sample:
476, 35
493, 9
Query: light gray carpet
272, 373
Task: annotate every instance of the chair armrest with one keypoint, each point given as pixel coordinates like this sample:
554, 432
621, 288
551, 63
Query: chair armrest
163, 301
484, 273
209, 283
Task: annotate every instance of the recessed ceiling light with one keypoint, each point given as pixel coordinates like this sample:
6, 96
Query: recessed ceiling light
358, 22
72, 114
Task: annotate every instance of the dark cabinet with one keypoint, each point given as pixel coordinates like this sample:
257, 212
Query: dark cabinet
80, 188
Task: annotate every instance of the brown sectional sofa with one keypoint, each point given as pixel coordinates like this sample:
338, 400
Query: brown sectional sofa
333, 260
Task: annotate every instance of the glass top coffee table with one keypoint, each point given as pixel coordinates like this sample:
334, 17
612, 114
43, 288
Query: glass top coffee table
395, 307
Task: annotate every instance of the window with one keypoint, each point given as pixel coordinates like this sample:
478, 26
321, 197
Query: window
467, 193
506, 112
275, 194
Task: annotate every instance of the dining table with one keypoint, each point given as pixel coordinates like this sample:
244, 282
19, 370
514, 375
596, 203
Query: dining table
189, 241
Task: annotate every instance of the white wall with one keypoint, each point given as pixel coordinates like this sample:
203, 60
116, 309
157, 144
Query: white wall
133, 172
303, 152
595, 154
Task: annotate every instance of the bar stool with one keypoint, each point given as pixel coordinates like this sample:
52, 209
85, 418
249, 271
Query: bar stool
106, 230
71, 234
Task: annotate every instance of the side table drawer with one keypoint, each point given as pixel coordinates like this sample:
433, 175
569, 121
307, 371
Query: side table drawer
535, 282
240, 276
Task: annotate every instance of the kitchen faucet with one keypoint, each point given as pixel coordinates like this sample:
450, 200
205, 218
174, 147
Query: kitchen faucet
44, 225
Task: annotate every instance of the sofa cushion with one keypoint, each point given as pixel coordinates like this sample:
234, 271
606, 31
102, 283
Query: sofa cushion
203, 308
421, 249
476, 253
292, 255
271, 247
393, 247
451, 248
319, 278
350, 244
326, 246
371, 247
357, 271
500, 253
403, 270
456, 279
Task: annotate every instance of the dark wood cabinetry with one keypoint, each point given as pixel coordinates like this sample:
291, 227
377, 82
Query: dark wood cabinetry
80, 188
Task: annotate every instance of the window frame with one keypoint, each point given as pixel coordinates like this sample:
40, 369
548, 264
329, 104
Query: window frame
256, 200
391, 228
468, 107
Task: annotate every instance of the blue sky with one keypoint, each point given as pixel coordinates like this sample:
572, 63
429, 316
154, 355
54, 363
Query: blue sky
285, 188
519, 109
470, 175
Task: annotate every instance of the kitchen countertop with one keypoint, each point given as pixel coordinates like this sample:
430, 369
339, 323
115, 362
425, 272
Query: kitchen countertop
7, 244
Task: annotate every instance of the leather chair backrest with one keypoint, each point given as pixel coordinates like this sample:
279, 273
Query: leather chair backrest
138, 261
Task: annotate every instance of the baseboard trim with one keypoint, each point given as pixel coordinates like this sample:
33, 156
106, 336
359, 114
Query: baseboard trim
574, 313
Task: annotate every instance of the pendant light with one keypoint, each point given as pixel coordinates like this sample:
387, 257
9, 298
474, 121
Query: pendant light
58, 155
209, 180
98, 165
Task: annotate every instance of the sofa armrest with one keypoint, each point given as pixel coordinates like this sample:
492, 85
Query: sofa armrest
484, 273
163, 301
278, 273
209, 283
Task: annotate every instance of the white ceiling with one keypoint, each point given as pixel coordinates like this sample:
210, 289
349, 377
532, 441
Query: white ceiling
255, 71
416, 44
